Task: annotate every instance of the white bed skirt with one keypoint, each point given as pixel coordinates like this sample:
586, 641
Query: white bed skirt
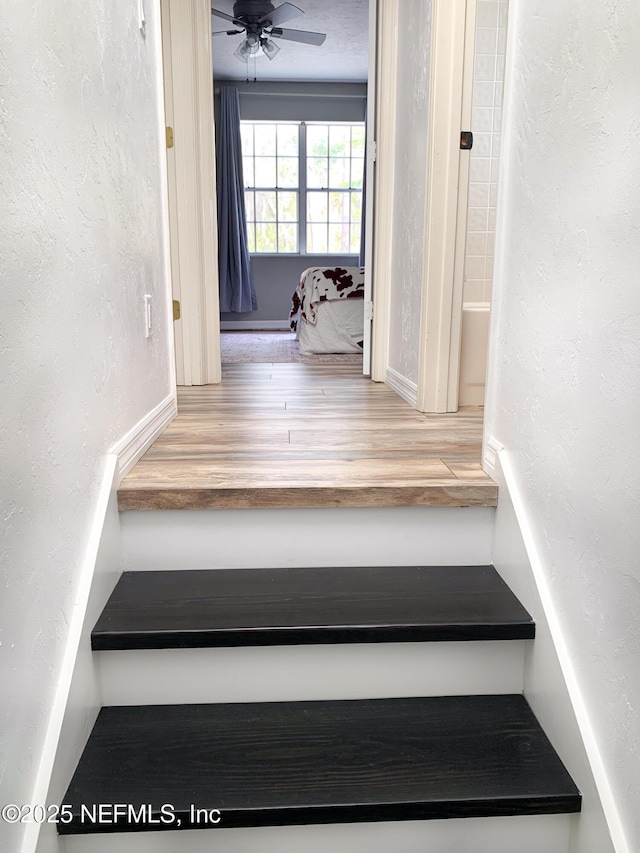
339, 328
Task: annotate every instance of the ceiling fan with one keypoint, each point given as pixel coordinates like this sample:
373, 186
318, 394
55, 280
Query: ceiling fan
260, 21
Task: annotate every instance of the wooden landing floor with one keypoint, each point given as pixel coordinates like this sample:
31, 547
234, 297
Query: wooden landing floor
297, 435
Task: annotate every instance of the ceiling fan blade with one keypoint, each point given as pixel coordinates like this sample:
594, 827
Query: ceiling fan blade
226, 33
222, 15
281, 14
299, 35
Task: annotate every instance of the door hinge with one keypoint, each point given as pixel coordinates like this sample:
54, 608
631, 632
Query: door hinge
176, 309
372, 147
368, 311
169, 131
466, 140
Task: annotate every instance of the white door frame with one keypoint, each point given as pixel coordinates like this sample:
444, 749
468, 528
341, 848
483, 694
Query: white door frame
385, 137
463, 207
193, 234
370, 166
453, 28
447, 180
193, 210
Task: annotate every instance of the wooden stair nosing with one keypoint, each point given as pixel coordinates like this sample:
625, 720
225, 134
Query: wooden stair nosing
313, 635
453, 493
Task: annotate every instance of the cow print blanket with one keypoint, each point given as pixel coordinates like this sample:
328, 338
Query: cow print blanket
324, 284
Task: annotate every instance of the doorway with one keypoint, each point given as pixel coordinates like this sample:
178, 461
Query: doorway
435, 387
192, 176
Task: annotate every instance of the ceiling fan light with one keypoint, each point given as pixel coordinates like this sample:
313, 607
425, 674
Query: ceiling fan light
241, 53
270, 48
247, 48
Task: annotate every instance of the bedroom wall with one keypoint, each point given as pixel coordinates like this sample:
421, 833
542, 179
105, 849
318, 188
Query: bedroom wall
563, 395
82, 241
276, 277
410, 183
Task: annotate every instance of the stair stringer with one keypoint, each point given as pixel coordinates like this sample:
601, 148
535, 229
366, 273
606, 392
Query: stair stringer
545, 681
79, 698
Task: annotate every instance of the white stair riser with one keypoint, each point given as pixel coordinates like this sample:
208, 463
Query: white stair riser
526, 834
269, 538
297, 673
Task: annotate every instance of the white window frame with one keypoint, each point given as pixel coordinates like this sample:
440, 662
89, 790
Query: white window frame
302, 189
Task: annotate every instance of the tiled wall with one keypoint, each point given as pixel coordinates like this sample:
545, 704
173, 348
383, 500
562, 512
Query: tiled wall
491, 30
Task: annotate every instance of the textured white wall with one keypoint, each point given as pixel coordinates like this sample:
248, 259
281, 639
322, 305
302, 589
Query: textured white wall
563, 389
81, 243
414, 58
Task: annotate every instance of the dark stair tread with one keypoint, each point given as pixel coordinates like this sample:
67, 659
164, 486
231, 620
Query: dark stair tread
249, 607
343, 761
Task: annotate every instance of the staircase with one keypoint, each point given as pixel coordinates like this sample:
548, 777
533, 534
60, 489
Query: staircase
357, 708
308, 650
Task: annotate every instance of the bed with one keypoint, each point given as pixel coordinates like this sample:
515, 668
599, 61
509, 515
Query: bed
327, 310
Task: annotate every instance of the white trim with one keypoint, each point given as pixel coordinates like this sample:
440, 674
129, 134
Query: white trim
140, 437
464, 164
387, 83
492, 450
171, 203
580, 708
76, 625
192, 195
208, 291
370, 185
407, 389
254, 325
163, 165
440, 312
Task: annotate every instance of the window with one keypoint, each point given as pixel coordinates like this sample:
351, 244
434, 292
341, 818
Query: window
303, 187
270, 155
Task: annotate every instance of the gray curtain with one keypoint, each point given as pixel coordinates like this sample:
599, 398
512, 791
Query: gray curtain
237, 292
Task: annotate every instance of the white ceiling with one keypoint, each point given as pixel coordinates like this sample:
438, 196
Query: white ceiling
343, 56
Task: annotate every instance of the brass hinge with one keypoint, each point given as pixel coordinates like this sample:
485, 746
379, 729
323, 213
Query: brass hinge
169, 131
176, 309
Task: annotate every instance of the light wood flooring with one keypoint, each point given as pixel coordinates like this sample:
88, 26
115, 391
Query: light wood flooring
297, 435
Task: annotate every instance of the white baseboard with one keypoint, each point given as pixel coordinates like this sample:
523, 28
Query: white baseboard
551, 684
77, 700
254, 325
492, 450
404, 387
140, 437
